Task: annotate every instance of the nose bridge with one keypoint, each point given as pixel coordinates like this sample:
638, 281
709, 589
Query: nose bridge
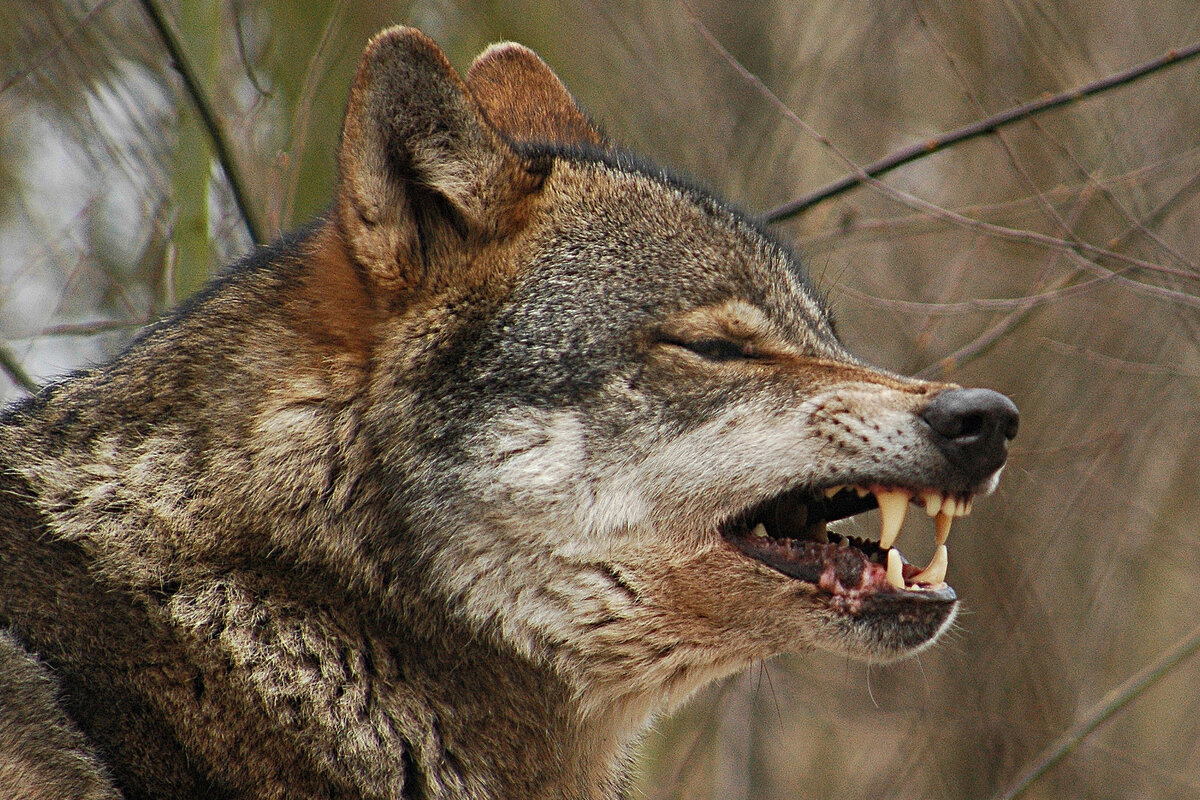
971, 428
834, 372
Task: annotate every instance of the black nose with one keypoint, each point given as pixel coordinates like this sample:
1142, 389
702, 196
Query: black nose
972, 428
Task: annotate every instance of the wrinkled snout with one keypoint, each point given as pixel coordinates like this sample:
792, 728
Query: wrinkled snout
972, 428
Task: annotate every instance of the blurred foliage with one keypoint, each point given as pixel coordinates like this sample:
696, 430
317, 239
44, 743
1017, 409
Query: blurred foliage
1082, 569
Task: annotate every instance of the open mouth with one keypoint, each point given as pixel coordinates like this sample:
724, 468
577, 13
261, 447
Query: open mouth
789, 533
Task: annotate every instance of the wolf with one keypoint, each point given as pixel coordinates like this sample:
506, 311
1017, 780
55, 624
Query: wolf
449, 494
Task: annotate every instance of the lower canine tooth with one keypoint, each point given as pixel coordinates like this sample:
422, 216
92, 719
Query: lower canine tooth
895, 569
935, 573
893, 505
941, 524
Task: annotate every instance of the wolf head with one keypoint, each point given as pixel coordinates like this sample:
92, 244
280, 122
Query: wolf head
610, 409
522, 442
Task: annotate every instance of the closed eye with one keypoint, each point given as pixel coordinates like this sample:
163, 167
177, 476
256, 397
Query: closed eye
715, 349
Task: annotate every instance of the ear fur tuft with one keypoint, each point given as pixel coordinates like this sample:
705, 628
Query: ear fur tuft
523, 98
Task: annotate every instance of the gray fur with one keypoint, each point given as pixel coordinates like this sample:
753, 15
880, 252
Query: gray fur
423, 501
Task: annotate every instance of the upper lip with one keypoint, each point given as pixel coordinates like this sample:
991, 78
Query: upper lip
788, 532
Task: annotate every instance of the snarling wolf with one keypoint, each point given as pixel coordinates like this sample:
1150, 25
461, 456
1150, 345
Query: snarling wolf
447, 495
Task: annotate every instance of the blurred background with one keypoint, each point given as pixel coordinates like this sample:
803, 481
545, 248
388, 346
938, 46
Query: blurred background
1057, 260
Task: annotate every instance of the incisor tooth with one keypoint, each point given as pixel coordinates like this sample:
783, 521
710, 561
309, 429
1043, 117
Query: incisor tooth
933, 503
759, 531
895, 569
941, 524
935, 573
949, 506
969, 505
893, 504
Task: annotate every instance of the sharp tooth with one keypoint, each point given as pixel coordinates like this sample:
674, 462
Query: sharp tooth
861, 491
933, 502
935, 573
832, 490
941, 524
895, 569
960, 510
893, 504
969, 505
949, 504
760, 531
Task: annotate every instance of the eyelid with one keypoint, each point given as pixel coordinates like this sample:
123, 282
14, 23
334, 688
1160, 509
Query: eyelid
713, 348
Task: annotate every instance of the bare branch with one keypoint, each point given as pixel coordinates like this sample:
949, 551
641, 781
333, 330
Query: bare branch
1110, 704
94, 328
15, 372
1074, 249
59, 42
208, 118
974, 130
973, 305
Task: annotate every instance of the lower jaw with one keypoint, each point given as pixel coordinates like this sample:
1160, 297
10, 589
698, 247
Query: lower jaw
891, 627
869, 617
842, 570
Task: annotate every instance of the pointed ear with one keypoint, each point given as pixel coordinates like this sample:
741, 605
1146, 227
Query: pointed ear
523, 99
420, 168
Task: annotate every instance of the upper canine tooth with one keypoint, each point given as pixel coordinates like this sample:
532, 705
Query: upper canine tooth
935, 573
895, 569
933, 502
941, 524
893, 505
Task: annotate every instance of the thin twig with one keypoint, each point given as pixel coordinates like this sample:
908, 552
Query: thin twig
976, 129
973, 305
1040, 197
41, 58
93, 328
316, 69
208, 118
15, 372
1075, 250
984, 341
1111, 703
1020, 205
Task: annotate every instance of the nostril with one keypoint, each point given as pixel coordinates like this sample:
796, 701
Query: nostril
973, 427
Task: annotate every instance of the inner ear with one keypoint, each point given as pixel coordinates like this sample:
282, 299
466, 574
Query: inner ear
524, 100
420, 167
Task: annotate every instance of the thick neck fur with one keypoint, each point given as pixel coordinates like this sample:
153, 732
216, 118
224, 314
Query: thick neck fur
274, 553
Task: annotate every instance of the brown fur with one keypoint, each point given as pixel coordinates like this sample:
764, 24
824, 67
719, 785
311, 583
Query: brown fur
434, 499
